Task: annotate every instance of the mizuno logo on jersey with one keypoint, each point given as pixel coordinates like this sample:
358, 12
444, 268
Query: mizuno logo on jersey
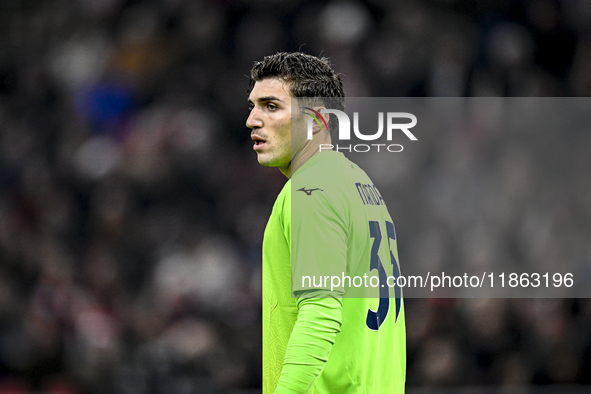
308, 191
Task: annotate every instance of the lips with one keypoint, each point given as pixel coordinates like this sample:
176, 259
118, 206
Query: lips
258, 141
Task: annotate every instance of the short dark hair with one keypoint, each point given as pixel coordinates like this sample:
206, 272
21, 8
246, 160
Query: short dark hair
308, 76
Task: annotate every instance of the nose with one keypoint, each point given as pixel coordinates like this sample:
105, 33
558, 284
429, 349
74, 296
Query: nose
253, 119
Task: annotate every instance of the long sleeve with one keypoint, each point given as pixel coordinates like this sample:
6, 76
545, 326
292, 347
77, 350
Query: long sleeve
317, 324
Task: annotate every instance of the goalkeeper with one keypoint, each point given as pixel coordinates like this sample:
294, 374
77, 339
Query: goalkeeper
317, 339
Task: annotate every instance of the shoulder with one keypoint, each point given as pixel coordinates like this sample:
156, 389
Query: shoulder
334, 178
321, 188
326, 169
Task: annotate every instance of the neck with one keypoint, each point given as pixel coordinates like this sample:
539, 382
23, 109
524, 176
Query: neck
310, 148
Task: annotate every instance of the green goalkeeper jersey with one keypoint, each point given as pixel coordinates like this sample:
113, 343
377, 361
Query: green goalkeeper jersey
330, 232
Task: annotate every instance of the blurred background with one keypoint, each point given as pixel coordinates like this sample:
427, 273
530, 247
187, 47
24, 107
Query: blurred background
132, 206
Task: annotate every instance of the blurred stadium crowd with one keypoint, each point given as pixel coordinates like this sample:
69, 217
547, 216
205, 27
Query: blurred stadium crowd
132, 207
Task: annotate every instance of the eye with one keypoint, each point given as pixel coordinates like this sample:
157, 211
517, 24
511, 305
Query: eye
272, 107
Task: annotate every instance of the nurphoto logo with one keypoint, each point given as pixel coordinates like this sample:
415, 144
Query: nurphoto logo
344, 134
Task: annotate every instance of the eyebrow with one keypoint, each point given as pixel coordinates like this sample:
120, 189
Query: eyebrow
265, 99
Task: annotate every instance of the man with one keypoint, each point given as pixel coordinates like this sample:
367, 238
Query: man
329, 220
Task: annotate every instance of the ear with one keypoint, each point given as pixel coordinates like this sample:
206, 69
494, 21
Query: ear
319, 121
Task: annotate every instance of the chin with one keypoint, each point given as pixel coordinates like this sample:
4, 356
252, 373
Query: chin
266, 162
269, 162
